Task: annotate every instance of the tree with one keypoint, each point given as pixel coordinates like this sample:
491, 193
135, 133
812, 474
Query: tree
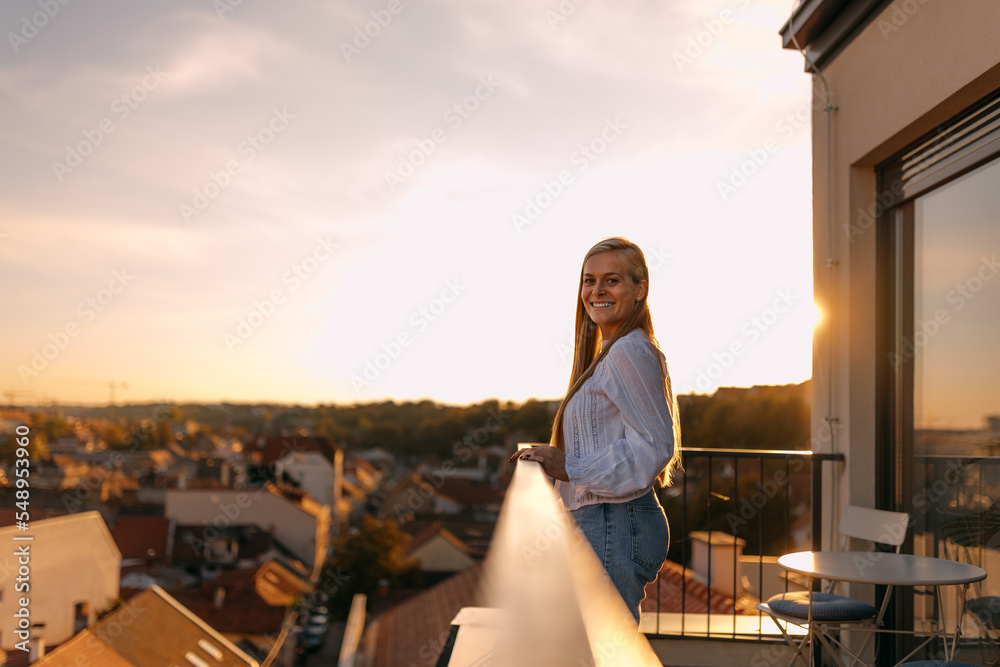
364, 559
37, 448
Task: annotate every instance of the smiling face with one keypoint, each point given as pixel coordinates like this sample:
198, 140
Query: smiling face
608, 293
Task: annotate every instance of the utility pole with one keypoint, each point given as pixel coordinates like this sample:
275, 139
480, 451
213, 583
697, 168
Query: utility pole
110, 384
10, 394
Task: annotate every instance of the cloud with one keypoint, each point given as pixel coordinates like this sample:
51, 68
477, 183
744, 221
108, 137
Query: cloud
557, 86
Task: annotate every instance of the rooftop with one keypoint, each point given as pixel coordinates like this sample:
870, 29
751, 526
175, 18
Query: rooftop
150, 629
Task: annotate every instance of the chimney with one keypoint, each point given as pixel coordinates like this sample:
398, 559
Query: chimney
721, 552
36, 649
220, 597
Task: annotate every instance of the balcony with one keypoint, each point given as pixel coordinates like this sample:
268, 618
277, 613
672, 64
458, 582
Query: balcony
731, 512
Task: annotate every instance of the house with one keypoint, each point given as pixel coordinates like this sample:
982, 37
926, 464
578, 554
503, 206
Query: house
423, 493
364, 474
279, 585
193, 546
150, 629
440, 553
11, 418
312, 462
232, 605
72, 567
299, 523
906, 166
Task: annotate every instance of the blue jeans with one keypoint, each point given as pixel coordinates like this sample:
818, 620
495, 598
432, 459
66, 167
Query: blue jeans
631, 541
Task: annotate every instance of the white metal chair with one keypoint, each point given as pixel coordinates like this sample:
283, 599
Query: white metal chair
824, 614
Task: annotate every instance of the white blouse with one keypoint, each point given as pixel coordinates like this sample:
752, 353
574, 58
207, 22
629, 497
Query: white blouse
617, 428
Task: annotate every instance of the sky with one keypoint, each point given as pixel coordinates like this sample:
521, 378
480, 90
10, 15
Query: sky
338, 202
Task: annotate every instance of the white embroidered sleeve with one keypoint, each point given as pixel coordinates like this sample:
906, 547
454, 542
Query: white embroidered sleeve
635, 385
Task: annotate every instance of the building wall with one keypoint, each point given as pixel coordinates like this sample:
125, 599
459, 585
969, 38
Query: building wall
917, 65
440, 555
72, 559
314, 473
301, 532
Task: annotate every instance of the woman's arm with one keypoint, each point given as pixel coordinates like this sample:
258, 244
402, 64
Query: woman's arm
634, 383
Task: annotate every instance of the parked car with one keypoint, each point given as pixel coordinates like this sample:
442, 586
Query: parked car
316, 625
311, 642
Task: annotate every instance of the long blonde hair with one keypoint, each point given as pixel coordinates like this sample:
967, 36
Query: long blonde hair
587, 352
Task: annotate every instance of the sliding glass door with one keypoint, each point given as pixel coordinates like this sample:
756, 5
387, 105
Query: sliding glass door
940, 351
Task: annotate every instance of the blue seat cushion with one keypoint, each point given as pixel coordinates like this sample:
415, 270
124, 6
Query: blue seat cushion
825, 607
987, 608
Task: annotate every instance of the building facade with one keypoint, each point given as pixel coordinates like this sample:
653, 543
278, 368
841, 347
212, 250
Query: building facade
68, 572
906, 194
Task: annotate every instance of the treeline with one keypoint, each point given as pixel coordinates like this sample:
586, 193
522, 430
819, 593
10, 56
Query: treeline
763, 417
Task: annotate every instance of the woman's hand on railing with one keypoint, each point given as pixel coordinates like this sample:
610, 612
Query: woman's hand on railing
552, 460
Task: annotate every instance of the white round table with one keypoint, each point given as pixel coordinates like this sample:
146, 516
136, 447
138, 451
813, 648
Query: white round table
889, 569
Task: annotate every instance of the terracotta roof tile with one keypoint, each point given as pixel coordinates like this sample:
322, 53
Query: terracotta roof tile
427, 533
83, 649
243, 610
680, 592
136, 535
154, 629
272, 449
414, 631
469, 494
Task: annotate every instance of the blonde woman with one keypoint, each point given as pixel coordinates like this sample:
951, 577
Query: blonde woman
616, 435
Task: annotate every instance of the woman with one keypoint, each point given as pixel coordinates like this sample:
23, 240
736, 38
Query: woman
616, 436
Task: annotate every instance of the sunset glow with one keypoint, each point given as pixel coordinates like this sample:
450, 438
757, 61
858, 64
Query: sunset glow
297, 203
